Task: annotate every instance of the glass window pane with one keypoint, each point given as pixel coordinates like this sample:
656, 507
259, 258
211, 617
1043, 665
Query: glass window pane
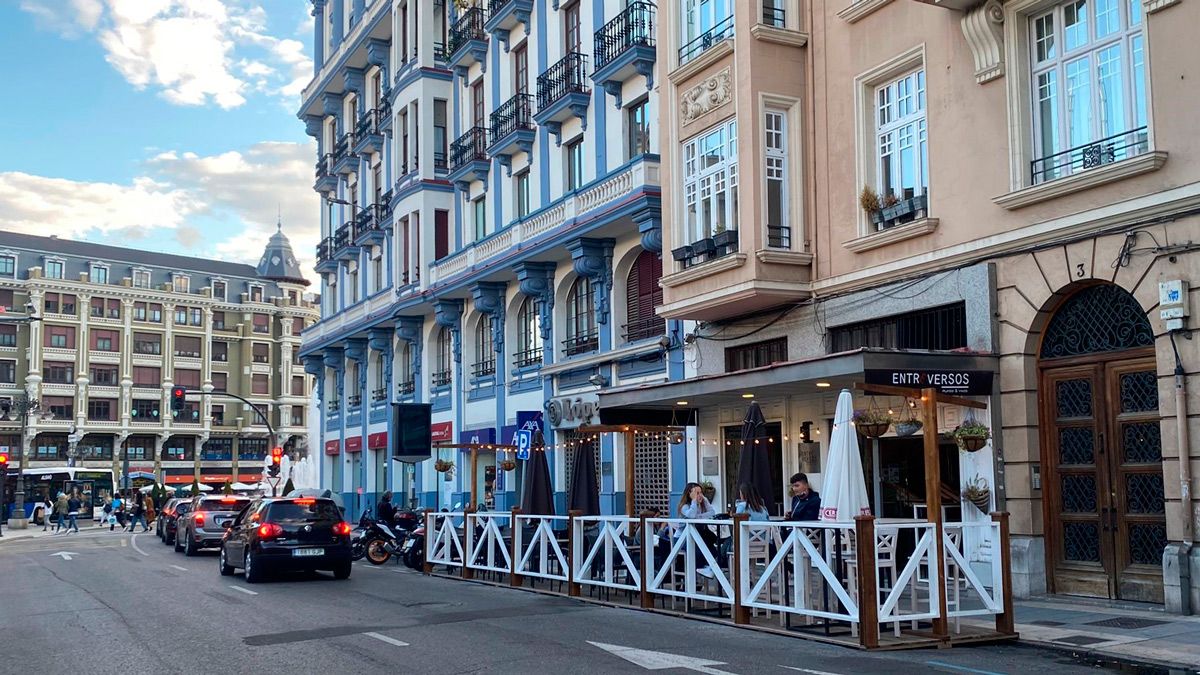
1138, 67
1108, 17
1047, 113
1112, 104
1075, 24
1043, 32
1079, 102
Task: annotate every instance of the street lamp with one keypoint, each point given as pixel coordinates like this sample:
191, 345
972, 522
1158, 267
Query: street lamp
22, 408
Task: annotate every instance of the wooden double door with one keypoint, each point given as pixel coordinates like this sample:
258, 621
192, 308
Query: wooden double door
1103, 484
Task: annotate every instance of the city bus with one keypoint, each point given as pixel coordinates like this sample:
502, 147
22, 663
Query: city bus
89, 484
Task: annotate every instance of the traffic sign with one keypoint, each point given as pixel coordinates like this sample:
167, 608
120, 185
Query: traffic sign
524, 442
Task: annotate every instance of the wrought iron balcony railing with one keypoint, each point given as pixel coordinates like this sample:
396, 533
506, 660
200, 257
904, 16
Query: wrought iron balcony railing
406, 388
634, 26
440, 378
582, 343
528, 357
774, 14
718, 33
568, 76
468, 27
1090, 155
515, 114
470, 147
484, 368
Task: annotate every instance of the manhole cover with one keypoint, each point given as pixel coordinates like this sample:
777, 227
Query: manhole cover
1080, 640
1127, 623
1045, 622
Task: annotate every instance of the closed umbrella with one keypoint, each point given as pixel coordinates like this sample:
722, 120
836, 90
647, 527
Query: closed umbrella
585, 488
844, 489
538, 498
754, 466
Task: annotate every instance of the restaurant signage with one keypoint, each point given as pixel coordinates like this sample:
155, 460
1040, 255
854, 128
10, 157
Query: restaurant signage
954, 382
377, 441
333, 447
572, 412
354, 444
441, 432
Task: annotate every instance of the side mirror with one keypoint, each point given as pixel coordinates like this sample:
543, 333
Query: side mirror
229, 524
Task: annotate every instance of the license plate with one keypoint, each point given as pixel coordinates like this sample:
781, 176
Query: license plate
407, 546
306, 552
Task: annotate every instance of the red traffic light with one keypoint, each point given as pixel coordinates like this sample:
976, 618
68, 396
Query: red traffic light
3, 459
276, 455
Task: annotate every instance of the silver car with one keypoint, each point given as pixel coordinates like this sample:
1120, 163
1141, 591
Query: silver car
204, 526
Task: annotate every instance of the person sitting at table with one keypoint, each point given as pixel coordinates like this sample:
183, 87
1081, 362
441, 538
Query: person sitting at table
695, 506
751, 503
806, 503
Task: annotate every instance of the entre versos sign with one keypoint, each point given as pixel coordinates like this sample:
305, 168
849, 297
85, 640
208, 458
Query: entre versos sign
956, 382
571, 412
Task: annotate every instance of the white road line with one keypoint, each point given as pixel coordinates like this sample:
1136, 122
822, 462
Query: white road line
810, 672
247, 591
389, 640
124, 543
181, 569
133, 540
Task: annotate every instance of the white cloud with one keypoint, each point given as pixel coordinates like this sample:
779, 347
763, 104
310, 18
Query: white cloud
31, 203
195, 52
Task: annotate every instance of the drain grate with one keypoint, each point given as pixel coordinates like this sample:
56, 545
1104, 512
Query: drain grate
1080, 640
1046, 622
1127, 623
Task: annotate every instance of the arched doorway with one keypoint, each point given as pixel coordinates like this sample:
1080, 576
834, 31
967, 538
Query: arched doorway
1101, 448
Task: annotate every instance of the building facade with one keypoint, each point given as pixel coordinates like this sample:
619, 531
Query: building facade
492, 234
995, 199
114, 329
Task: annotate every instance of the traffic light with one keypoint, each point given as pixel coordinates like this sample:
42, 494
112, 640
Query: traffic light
178, 398
3, 463
276, 460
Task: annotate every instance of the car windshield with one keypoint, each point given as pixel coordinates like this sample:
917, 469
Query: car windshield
303, 511
229, 505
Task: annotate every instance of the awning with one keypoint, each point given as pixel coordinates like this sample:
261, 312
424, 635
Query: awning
177, 480
960, 373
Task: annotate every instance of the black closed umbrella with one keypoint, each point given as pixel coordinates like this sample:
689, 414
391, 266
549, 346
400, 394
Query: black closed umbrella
538, 498
585, 488
754, 466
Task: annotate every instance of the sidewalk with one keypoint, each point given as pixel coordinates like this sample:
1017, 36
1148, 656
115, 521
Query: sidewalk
1110, 630
35, 532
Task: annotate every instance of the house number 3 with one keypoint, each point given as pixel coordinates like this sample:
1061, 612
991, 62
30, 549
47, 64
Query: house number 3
1079, 270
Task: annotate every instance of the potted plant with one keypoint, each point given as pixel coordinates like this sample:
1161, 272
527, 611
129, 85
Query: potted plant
703, 247
920, 203
442, 465
971, 436
682, 253
709, 490
725, 238
872, 423
978, 493
508, 464
868, 199
908, 427
888, 205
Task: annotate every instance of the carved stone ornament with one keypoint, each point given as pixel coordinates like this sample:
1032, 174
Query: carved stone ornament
983, 27
706, 97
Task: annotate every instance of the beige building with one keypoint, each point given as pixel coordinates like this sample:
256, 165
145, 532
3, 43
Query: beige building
996, 199
99, 335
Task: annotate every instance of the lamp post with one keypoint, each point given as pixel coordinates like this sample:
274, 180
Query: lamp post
21, 408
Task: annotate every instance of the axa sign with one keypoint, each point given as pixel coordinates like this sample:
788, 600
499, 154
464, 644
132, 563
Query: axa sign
572, 412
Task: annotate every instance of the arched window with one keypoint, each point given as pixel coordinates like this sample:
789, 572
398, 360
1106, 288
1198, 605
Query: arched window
582, 335
1104, 318
441, 375
404, 369
642, 295
485, 351
529, 334
380, 393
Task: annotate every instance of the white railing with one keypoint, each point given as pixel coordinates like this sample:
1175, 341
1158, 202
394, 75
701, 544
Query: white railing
664, 578
899, 593
445, 545
802, 576
966, 593
599, 561
488, 549
540, 554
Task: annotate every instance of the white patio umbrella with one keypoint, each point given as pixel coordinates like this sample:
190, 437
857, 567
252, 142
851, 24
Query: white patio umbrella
844, 489
243, 487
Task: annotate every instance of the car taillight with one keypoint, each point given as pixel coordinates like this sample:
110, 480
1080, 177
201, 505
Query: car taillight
199, 518
269, 531
341, 528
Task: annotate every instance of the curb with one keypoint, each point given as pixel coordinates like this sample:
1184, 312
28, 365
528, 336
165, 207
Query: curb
1101, 658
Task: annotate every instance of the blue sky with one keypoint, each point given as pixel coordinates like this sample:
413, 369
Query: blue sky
160, 124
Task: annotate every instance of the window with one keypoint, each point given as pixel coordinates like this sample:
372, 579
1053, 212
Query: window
705, 23
112, 308
195, 316
940, 328
582, 335
441, 141
218, 416
1089, 86
141, 278
441, 234
103, 375
139, 311
574, 160
529, 334
521, 193
137, 448
297, 325
98, 274
156, 315
147, 343
901, 145
145, 410
181, 316
96, 308
262, 323
58, 373
298, 383
637, 124
6, 299
485, 351
220, 381
186, 377
54, 269
755, 355
182, 283
261, 352
219, 351
571, 29
190, 413
256, 293
187, 346
61, 407
377, 272
59, 303
219, 290
8, 335
218, 320
441, 375
710, 182
779, 232
260, 384
52, 446
480, 211
96, 447
101, 409
642, 296
8, 266
252, 448
180, 449
60, 337
147, 376
774, 13
477, 103
106, 341
298, 419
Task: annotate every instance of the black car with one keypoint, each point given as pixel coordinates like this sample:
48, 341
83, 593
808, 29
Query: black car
287, 534
168, 520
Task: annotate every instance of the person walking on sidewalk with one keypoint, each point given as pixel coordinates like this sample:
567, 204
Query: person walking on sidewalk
116, 516
61, 507
137, 514
73, 505
47, 510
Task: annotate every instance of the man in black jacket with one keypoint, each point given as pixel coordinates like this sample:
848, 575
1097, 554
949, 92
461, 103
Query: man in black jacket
806, 503
386, 512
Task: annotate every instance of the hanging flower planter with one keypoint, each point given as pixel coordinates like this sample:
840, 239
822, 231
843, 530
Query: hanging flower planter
872, 422
508, 465
442, 465
905, 428
971, 436
709, 490
978, 493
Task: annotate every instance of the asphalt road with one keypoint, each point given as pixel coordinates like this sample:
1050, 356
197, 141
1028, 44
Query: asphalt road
126, 603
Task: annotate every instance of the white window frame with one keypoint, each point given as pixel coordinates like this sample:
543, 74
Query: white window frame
12, 255
701, 184
262, 292
62, 267
698, 17
479, 218
906, 111
776, 167
573, 165
142, 273
177, 286
521, 194
95, 267
224, 295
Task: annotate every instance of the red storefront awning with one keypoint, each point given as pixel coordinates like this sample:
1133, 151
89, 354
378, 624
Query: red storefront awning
377, 441
354, 444
333, 447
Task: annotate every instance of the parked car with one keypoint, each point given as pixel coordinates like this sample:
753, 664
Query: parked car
169, 519
204, 526
287, 534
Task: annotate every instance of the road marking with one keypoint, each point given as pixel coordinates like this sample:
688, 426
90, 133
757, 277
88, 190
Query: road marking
951, 666
124, 543
661, 660
811, 672
133, 540
389, 640
247, 591
181, 569
65, 555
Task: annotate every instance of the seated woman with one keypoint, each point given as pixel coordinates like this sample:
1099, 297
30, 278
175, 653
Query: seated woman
750, 502
695, 506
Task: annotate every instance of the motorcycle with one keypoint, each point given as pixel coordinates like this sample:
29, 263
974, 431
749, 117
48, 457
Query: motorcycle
358, 538
382, 543
413, 549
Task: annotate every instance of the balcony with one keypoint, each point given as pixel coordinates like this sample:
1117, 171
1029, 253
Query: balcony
354, 401
512, 128
406, 388
334, 406
344, 247
468, 42
713, 36
481, 369
528, 358
326, 179
379, 395
562, 93
345, 162
504, 15
624, 48
468, 156
440, 379
440, 53
1091, 155
325, 259
583, 343
368, 133
370, 224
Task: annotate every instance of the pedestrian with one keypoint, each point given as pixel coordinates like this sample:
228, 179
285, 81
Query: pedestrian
806, 503
74, 503
137, 514
118, 515
47, 509
385, 512
148, 504
61, 507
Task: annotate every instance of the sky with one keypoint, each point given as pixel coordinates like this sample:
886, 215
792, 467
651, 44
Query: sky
165, 125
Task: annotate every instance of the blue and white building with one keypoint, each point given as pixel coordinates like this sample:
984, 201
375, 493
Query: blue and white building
491, 237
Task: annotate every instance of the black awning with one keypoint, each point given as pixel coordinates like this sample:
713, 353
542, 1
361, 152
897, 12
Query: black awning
649, 417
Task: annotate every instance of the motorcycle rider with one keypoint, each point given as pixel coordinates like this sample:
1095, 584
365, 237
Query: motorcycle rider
385, 512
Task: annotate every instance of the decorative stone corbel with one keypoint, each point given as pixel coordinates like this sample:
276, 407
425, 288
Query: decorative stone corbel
650, 226
592, 258
313, 124
448, 313
983, 27
408, 328
489, 299
536, 279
